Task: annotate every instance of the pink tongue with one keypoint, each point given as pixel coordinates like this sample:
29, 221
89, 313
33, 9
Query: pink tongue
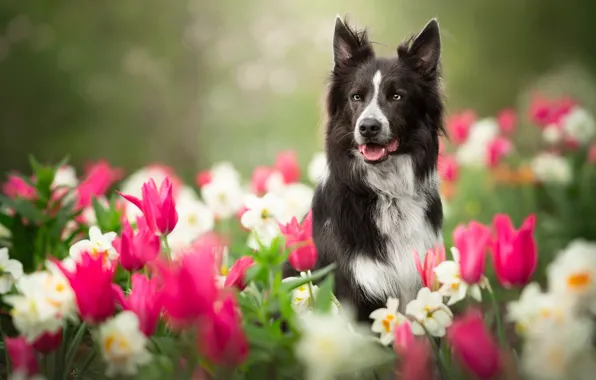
373, 152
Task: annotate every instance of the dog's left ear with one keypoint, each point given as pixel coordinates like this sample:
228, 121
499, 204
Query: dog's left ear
425, 49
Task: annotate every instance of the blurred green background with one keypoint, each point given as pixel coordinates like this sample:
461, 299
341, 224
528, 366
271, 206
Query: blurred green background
191, 82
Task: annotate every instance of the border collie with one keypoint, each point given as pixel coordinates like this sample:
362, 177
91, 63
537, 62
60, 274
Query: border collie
379, 202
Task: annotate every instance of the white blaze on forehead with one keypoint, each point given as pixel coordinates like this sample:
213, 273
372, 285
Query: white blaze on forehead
373, 110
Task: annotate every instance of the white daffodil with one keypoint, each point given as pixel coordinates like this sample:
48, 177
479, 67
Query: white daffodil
452, 285
572, 274
31, 312
552, 134
275, 183
329, 346
430, 314
58, 291
317, 168
10, 271
223, 195
65, 176
123, 345
579, 125
551, 168
473, 151
226, 172
303, 303
194, 219
561, 353
297, 200
385, 321
98, 245
262, 218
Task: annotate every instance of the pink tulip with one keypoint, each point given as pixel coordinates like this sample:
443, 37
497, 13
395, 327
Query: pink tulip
203, 178
138, 249
92, 284
144, 300
21, 356
415, 362
260, 175
592, 154
459, 125
496, 150
48, 342
515, 256
303, 256
235, 277
189, 286
16, 187
100, 176
471, 242
545, 112
433, 258
158, 206
507, 120
403, 338
287, 164
220, 337
473, 345
448, 168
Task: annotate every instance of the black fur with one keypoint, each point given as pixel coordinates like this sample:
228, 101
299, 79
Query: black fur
345, 205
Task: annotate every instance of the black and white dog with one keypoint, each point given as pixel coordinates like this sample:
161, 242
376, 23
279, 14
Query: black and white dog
379, 200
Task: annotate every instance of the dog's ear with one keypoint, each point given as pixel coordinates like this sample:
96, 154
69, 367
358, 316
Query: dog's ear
425, 48
349, 45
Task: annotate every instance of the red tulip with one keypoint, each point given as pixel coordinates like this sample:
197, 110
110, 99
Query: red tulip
158, 206
471, 242
448, 168
303, 256
515, 256
220, 337
144, 300
474, 346
459, 125
48, 342
496, 150
189, 286
507, 120
16, 187
21, 356
92, 284
235, 277
434, 257
287, 164
100, 176
260, 175
136, 250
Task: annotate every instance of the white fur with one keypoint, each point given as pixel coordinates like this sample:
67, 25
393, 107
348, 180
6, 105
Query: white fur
373, 111
401, 217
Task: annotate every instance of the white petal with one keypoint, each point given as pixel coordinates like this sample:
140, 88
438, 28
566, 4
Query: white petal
5, 284
393, 304
95, 233
379, 313
475, 293
3, 255
15, 268
417, 328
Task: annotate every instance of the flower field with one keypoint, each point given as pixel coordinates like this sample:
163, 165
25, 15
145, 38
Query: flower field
148, 276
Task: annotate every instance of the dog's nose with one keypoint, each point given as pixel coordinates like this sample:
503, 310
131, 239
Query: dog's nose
369, 128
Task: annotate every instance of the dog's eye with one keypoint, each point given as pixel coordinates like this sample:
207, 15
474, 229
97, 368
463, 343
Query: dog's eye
396, 97
356, 97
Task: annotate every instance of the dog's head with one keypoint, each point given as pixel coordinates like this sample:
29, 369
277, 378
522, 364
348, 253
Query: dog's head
379, 107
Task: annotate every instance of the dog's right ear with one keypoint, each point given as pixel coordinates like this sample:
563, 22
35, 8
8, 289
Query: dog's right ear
349, 45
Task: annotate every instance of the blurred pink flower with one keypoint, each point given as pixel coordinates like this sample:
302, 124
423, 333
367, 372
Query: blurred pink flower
98, 179
16, 187
415, 362
404, 337
91, 282
138, 249
448, 168
515, 256
260, 175
48, 342
592, 153
303, 255
21, 356
434, 257
158, 206
496, 150
237, 273
459, 125
287, 164
507, 120
220, 336
473, 345
472, 241
545, 112
144, 300
203, 178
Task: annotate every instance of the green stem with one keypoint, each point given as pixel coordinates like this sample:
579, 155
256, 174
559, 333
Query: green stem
446, 372
310, 291
157, 346
87, 362
500, 332
72, 349
164, 238
6, 357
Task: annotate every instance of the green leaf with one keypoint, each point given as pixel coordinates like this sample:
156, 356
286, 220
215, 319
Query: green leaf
100, 212
6, 220
324, 296
24, 208
296, 282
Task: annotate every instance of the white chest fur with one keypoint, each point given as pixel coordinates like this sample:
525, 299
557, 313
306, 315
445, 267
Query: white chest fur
400, 218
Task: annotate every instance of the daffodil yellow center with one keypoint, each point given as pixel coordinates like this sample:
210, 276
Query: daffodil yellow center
579, 280
326, 345
265, 214
117, 347
387, 322
224, 270
192, 220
